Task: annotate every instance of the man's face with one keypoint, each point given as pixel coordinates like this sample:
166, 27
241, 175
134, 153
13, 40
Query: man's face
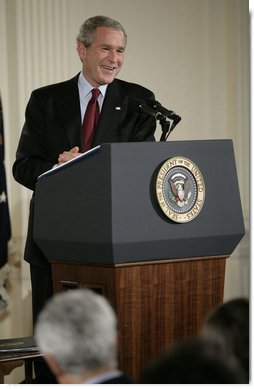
103, 60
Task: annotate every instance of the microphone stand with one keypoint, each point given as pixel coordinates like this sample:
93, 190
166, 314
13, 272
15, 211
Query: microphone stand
165, 128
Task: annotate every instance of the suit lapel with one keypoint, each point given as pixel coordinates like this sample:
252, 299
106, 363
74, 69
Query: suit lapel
111, 115
69, 111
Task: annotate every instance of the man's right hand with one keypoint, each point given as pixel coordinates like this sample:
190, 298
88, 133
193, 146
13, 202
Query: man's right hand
68, 155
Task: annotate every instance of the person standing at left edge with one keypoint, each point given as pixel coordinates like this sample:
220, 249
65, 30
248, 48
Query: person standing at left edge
53, 132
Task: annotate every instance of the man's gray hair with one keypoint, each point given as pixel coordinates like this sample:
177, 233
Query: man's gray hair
79, 329
88, 28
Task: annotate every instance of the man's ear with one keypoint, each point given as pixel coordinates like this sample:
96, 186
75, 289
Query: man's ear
81, 50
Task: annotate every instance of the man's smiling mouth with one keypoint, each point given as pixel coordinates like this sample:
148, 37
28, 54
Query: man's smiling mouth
106, 67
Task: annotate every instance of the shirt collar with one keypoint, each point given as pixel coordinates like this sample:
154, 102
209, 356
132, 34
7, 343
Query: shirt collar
85, 88
103, 377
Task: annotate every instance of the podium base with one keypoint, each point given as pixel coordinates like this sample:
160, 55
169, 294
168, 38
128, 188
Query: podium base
157, 303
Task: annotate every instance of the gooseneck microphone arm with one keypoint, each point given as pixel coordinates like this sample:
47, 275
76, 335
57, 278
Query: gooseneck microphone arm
155, 109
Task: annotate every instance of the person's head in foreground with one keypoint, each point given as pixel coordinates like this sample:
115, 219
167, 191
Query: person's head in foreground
77, 333
191, 362
227, 327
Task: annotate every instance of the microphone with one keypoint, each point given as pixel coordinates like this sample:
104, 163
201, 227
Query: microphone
156, 105
143, 107
158, 112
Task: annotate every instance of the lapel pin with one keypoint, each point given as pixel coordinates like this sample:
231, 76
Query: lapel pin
118, 108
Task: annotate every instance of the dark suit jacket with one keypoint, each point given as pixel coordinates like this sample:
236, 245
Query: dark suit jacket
53, 125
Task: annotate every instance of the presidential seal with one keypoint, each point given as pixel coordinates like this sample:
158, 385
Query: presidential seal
180, 189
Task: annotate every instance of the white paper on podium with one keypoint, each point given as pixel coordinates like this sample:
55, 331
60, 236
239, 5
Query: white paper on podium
70, 162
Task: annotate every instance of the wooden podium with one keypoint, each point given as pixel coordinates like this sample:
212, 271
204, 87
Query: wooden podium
99, 224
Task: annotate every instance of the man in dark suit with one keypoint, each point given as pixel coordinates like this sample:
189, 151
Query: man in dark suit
52, 133
77, 334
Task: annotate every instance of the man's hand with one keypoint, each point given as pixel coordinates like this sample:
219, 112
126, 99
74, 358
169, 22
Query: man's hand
68, 155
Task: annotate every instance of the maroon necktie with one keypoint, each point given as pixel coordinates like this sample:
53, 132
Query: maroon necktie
90, 120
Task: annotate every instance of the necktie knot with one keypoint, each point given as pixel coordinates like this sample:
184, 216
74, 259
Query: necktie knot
95, 94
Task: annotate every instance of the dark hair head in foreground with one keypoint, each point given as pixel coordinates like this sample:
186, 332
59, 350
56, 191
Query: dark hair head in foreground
192, 362
227, 326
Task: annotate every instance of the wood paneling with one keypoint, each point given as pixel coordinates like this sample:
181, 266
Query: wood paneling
157, 303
